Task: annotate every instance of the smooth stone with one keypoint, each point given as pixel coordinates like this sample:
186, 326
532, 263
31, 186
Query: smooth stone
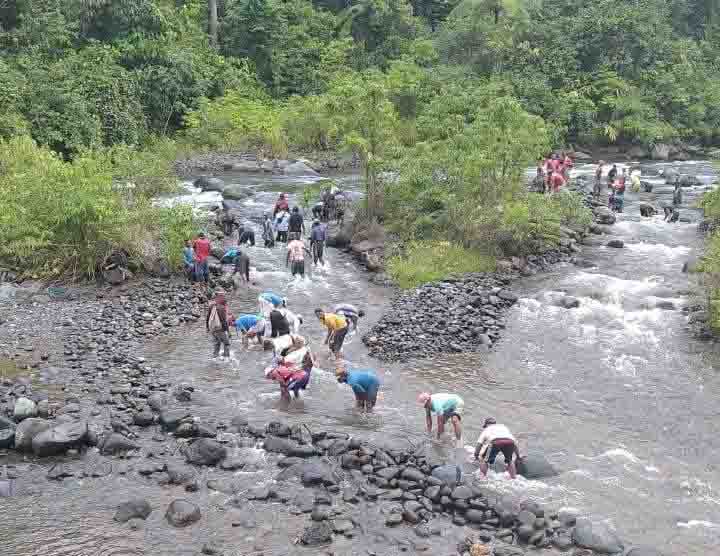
133, 509
181, 513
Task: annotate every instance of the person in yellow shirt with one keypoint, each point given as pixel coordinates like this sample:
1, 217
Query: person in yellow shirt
337, 327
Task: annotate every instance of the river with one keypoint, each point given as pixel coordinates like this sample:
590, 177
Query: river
616, 392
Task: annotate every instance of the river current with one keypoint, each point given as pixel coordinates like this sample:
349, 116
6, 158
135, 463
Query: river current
616, 393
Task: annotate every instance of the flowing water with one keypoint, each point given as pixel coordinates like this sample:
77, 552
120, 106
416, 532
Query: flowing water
616, 392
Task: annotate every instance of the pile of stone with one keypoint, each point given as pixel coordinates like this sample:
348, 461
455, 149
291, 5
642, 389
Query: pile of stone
452, 316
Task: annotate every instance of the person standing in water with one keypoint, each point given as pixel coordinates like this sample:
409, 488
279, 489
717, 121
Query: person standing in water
495, 439
282, 223
216, 322
202, 251
677, 193
242, 267
365, 385
446, 407
268, 233
597, 186
296, 257
296, 225
318, 236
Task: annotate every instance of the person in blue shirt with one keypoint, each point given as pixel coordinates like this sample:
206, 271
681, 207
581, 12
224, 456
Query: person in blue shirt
446, 407
189, 260
365, 385
250, 326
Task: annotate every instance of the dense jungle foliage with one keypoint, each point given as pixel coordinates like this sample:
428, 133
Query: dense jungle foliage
452, 98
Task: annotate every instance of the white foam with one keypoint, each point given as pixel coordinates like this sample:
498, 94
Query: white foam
621, 453
697, 523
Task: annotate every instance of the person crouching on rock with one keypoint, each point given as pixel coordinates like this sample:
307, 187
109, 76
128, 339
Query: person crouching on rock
337, 329
495, 439
447, 407
364, 383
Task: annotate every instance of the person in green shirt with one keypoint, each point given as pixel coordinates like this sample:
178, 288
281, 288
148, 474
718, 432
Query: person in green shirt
446, 407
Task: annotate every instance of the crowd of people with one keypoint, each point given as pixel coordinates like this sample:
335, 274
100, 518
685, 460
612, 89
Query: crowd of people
274, 328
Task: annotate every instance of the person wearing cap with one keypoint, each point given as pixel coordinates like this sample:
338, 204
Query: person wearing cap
216, 322
337, 329
318, 235
446, 407
364, 383
495, 439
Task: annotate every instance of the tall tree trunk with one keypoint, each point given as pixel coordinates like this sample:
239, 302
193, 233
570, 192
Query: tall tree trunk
213, 22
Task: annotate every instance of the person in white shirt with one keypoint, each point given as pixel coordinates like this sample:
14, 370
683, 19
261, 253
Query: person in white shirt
495, 439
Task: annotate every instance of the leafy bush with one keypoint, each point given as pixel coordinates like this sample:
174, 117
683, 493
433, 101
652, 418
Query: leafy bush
65, 218
429, 261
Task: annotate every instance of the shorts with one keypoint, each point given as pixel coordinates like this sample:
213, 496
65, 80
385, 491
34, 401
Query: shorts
338, 339
455, 411
298, 267
501, 445
370, 397
299, 384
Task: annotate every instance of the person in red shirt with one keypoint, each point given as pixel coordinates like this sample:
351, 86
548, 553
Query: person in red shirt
557, 181
202, 251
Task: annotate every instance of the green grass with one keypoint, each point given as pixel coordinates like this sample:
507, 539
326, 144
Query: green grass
430, 261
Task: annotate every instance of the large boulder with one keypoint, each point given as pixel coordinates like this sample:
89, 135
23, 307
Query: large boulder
597, 537
60, 438
27, 430
209, 184
7, 432
205, 452
24, 408
299, 168
660, 151
535, 466
647, 210
688, 180
604, 215
237, 192
182, 513
616, 243
670, 175
134, 509
246, 166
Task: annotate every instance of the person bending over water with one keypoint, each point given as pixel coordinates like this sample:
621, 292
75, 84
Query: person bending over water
337, 329
495, 439
250, 326
351, 313
365, 385
447, 407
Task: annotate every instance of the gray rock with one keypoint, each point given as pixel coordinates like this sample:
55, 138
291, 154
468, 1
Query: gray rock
462, 492
59, 439
24, 408
144, 418
276, 428
179, 474
182, 513
7, 433
569, 302
535, 466
299, 169
317, 533
116, 443
597, 537
134, 509
616, 243
604, 215
205, 452
209, 184
170, 419
388, 473
410, 474
248, 459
